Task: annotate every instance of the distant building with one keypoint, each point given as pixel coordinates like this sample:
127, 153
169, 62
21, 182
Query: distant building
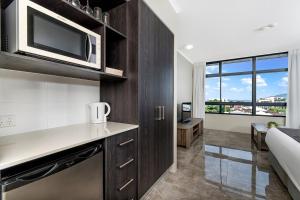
271, 99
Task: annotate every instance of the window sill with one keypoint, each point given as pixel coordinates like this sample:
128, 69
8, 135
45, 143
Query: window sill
247, 115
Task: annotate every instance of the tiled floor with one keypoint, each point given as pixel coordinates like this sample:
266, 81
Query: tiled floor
220, 165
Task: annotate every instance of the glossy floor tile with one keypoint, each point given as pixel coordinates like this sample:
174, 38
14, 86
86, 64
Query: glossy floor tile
220, 165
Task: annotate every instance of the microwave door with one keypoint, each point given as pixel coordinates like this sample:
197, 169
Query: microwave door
49, 34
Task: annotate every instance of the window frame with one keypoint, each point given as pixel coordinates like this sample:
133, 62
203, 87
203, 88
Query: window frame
254, 74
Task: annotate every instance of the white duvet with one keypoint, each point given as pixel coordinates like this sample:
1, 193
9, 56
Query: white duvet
287, 152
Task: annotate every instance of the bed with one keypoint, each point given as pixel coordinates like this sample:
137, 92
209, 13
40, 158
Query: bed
284, 145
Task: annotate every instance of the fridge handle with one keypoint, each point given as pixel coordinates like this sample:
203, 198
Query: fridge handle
91, 152
38, 174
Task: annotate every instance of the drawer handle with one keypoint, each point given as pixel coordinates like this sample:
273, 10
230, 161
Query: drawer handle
126, 185
127, 163
127, 142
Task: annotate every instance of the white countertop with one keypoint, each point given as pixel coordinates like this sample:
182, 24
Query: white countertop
17, 149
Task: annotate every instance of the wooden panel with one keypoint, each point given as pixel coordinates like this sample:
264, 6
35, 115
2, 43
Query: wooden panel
147, 75
42, 66
118, 18
123, 97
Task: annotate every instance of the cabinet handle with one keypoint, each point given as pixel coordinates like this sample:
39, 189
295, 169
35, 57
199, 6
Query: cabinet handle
127, 163
158, 113
163, 112
127, 142
126, 185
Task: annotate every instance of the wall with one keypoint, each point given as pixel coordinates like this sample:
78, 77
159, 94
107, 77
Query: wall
236, 123
184, 79
43, 101
164, 10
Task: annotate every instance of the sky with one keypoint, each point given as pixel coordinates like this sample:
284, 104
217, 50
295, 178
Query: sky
240, 87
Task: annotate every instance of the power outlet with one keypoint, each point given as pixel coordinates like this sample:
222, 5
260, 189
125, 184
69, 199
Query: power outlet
7, 121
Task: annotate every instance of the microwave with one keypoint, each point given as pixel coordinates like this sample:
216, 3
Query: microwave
34, 30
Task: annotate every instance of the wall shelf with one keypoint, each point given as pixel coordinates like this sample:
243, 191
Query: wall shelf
106, 5
64, 8
35, 65
114, 32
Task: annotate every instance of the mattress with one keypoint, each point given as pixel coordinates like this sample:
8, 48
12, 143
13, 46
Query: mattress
287, 152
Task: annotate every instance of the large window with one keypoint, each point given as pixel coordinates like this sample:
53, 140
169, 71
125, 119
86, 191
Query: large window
249, 86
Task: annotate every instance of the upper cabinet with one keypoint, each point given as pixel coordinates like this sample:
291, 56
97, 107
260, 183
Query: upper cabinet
66, 56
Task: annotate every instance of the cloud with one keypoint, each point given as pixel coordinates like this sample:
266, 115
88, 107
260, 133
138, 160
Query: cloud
260, 82
246, 81
212, 69
225, 79
284, 82
224, 85
236, 89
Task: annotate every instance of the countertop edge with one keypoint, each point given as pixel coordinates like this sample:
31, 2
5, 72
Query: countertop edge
31, 158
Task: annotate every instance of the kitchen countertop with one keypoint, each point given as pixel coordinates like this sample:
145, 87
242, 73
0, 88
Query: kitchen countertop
21, 148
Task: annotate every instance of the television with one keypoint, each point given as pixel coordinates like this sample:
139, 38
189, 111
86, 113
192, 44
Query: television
186, 112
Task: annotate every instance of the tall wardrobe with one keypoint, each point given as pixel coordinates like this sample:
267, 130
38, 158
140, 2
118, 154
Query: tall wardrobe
146, 97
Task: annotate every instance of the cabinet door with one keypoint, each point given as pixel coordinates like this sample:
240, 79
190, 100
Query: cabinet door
156, 51
165, 70
147, 91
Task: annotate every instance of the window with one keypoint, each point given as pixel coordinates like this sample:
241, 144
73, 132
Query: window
249, 86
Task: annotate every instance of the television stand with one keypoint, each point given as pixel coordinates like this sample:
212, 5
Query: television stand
188, 132
186, 121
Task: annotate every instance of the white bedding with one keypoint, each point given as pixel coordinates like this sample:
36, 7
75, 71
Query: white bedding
287, 152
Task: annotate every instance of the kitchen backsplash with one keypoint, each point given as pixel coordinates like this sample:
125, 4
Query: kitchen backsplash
42, 101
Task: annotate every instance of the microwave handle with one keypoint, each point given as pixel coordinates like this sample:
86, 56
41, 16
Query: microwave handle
89, 46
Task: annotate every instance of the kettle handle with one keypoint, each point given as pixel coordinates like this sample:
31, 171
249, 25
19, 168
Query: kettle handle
108, 110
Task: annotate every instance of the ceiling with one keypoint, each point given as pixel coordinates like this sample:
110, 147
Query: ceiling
225, 29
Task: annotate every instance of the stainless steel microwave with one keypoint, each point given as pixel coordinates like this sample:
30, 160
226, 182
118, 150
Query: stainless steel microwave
35, 30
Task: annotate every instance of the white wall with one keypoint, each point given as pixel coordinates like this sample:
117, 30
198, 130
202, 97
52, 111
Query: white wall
164, 10
184, 79
43, 101
236, 123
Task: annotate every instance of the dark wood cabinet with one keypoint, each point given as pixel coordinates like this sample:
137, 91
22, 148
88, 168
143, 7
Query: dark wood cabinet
145, 95
121, 166
156, 66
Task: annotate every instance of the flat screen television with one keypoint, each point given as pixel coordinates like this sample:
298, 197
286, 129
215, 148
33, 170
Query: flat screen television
186, 112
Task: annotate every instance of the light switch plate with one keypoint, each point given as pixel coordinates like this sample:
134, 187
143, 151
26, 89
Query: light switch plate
7, 121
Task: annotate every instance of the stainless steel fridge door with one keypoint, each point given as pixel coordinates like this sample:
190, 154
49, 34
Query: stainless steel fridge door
83, 181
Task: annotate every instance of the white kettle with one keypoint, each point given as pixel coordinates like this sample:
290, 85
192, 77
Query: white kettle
97, 112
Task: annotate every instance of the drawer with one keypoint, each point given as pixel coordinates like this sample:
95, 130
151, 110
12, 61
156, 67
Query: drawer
128, 191
125, 174
121, 166
126, 147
